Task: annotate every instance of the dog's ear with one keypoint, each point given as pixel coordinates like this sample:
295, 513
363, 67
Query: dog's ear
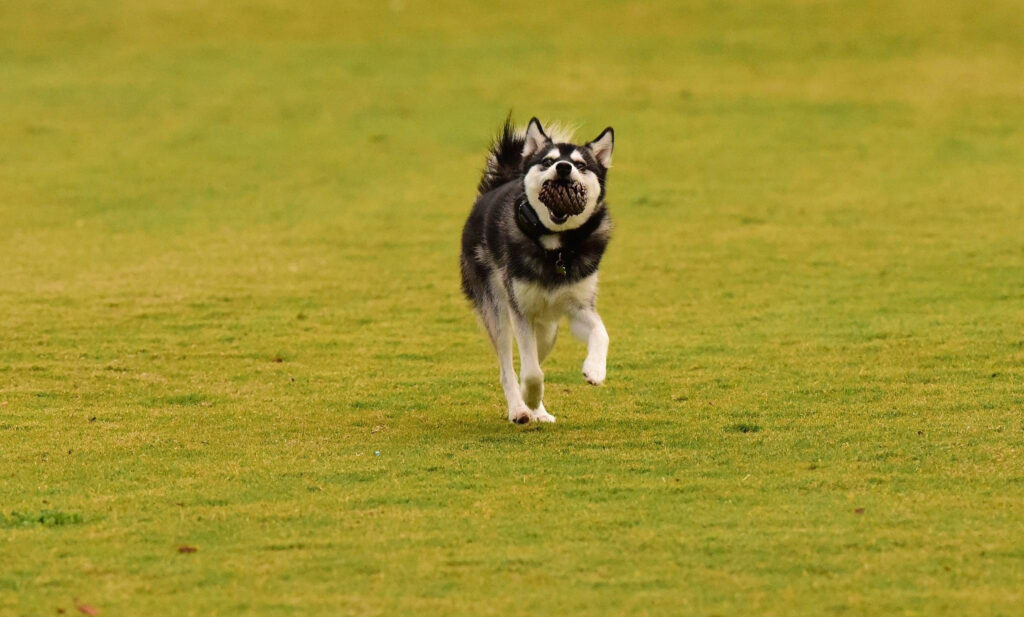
535, 138
602, 147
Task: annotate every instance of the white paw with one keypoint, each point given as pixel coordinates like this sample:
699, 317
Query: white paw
541, 415
520, 415
594, 371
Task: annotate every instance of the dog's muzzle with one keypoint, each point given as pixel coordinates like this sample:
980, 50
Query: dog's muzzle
563, 198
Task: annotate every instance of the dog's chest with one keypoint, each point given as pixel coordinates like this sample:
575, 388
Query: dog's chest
551, 303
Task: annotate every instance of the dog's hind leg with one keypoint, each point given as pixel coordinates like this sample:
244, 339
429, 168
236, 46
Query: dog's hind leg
586, 324
547, 334
496, 320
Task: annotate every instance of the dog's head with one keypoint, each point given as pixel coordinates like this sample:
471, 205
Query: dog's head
565, 182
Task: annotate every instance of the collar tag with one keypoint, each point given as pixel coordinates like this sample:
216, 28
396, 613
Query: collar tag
560, 264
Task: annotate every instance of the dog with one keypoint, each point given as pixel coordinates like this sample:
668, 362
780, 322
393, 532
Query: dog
530, 252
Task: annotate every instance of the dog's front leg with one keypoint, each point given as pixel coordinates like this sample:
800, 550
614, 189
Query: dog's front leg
529, 368
586, 324
518, 412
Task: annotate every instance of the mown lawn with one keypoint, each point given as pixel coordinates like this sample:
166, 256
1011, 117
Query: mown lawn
230, 317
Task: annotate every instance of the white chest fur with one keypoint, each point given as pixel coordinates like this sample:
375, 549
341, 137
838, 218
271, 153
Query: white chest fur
551, 242
550, 304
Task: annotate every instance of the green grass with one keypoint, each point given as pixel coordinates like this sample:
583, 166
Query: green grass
46, 518
228, 278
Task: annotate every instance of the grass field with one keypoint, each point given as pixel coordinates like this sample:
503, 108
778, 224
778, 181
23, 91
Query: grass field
230, 317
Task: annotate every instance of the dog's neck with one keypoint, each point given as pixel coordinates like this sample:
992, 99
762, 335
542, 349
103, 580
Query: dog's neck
569, 240
529, 223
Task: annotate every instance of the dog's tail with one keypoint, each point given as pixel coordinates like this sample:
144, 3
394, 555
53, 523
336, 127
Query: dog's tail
505, 159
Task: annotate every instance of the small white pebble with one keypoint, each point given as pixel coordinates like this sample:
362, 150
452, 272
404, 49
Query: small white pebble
377, 452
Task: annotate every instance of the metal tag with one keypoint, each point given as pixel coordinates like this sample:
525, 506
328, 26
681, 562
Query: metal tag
560, 264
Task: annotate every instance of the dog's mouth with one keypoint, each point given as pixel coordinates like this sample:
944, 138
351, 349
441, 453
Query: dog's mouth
563, 198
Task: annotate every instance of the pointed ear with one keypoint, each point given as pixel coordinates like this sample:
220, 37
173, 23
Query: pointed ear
535, 138
602, 147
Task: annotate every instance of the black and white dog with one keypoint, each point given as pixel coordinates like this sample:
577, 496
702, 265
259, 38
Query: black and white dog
530, 252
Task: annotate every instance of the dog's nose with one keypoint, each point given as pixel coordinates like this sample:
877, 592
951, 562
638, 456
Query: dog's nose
563, 169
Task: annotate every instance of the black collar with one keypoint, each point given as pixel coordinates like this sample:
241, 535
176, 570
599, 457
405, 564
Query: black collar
571, 239
528, 221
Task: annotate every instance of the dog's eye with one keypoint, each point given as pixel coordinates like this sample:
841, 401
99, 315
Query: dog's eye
580, 165
546, 163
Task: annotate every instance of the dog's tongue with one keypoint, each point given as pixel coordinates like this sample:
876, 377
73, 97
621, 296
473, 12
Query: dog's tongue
563, 200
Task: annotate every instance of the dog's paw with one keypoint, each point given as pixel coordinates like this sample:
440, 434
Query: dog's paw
541, 415
594, 372
520, 415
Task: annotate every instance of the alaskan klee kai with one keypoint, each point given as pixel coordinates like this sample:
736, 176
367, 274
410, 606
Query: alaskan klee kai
530, 252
